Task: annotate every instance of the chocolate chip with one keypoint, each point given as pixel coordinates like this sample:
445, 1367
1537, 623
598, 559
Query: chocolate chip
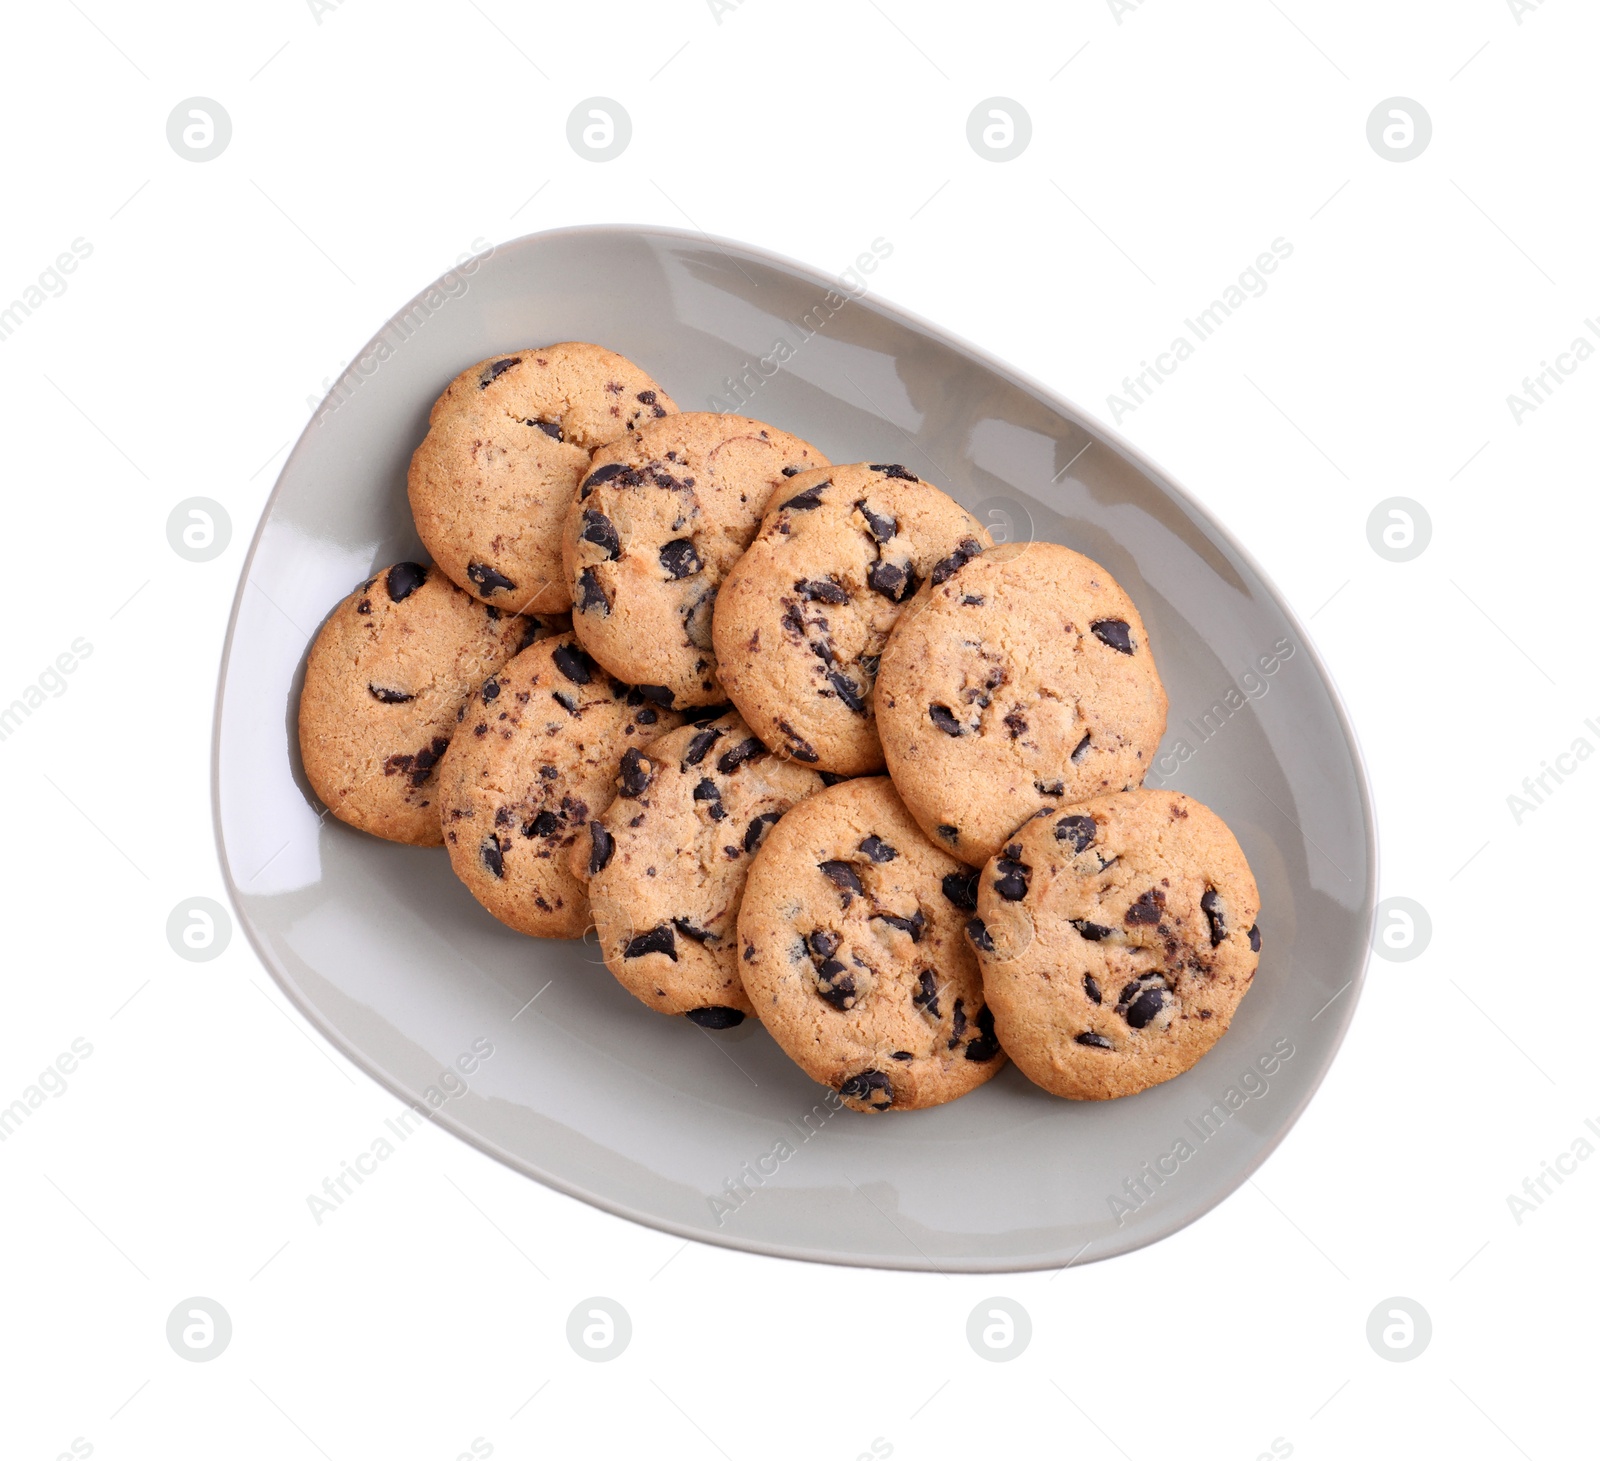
869, 1086
573, 663
893, 581
715, 1017
1094, 1041
958, 1024
706, 791
488, 579
566, 700
800, 748
679, 558
1094, 932
882, 528
427, 758
1077, 830
1012, 880
926, 995
701, 742
893, 469
693, 934
965, 551
792, 471
1080, 750
913, 925
403, 580
648, 397
949, 833
530, 630
1211, 906
590, 594
848, 691
823, 943
493, 856
1255, 939
821, 591
978, 932
810, 498
1015, 724
831, 778
550, 428
1148, 907
364, 607
877, 849
983, 1045
961, 889
607, 473
1114, 633
841, 875
637, 773
491, 689
900, 1055
388, 697
658, 940
835, 984
601, 845
735, 757
656, 694
601, 531
941, 716
546, 824
497, 369
1050, 788
758, 829
1091, 987
1142, 1000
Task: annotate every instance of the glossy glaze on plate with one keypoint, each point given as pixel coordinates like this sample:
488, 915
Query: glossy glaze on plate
717, 1136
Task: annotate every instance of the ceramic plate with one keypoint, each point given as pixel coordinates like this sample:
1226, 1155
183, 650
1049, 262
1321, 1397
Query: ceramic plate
717, 1136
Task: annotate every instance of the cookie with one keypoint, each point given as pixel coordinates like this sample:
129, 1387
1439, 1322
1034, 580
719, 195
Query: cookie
507, 443
853, 952
803, 617
667, 864
385, 677
1117, 937
656, 524
1022, 678
537, 752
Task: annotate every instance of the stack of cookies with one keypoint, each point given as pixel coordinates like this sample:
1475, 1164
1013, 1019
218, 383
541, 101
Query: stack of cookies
795, 739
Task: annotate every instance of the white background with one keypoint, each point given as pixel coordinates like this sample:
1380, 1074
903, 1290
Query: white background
1171, 144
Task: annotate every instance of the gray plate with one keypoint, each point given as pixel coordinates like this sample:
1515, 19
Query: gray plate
719, 1137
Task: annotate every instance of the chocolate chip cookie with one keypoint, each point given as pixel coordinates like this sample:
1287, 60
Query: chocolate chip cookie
853, 951
668, 858
656, 524
507, 443
385, 677
802, 618
536, 753
1023, 677
1117, 937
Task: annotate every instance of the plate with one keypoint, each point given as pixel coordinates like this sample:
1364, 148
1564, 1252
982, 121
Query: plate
530, 1051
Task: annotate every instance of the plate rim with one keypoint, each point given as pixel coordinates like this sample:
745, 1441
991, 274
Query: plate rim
1045, 396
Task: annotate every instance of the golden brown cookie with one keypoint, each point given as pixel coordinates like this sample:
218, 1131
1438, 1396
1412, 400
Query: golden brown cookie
853, 952
667, 864
491, 483
535, 756
1023, 678
803, 617
659, 519
385, 677
1116, 937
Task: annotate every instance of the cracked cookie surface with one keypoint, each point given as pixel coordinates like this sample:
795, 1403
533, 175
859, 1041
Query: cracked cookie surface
659, 518
507, 443
538, 749
1117, 937
1024, 678
385, 677
853, 952
803, 617
667, 862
